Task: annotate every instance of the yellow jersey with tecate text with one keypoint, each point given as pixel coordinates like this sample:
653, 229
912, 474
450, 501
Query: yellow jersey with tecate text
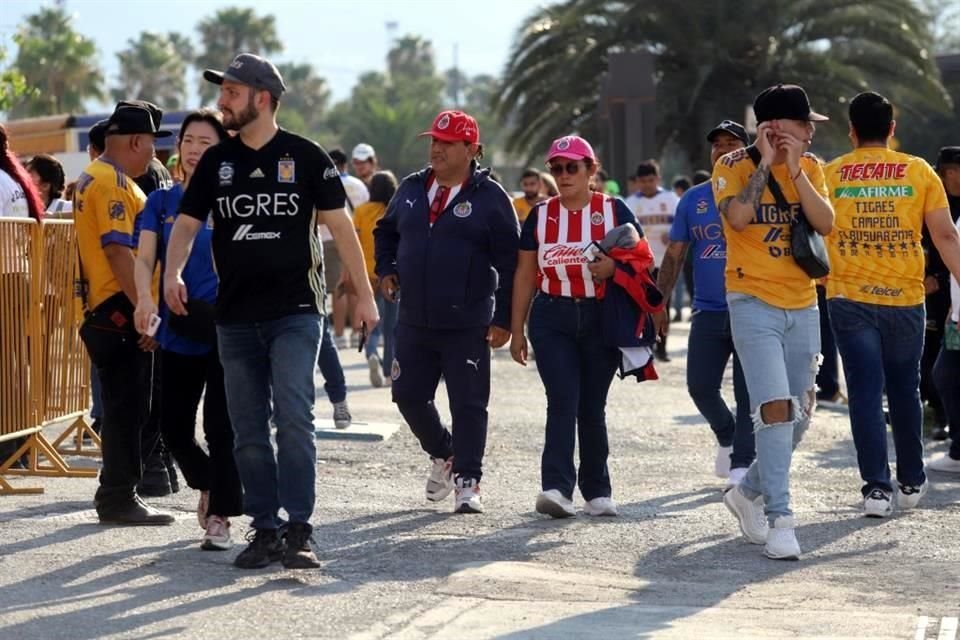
759, 260
106, 204
880, 197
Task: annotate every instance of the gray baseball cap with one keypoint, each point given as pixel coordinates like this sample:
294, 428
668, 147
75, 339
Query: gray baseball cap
252, 70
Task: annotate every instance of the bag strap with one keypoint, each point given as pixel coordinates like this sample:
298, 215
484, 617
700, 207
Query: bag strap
773, 185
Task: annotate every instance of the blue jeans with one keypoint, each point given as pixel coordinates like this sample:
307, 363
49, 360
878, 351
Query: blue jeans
708, 351
946, 375
881, 347
780, 351
576, 368
264, 361
334, 383
387, 327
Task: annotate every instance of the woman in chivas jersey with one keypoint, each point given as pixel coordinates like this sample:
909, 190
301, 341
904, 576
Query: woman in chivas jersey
574, 363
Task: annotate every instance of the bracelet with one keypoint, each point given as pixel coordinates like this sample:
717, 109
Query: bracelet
799, 171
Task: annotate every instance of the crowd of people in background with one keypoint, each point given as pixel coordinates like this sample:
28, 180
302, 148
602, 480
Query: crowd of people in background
215, 286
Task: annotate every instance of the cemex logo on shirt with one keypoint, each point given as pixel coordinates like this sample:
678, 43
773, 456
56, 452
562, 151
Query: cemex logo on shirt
245, 232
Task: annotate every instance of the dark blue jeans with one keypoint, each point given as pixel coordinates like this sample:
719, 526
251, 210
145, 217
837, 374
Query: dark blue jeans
946, 375
828, 378
334, 383
708, 351
264, 361
880, 347
387, 328
576, 368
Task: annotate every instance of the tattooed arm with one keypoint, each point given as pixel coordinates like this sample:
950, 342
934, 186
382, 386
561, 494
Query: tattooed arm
741, 210
670, 268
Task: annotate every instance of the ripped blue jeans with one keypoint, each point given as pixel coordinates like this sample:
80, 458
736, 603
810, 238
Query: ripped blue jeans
780, 352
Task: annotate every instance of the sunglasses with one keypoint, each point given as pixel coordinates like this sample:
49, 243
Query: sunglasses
557, 169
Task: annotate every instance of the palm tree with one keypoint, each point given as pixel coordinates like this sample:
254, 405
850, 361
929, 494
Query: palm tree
154, 68
231, 31
58, 62
305, 102
411, 57
711, 58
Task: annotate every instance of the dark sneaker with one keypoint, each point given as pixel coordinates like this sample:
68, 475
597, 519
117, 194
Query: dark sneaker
155, 483
265, 547
297, 554
133, 513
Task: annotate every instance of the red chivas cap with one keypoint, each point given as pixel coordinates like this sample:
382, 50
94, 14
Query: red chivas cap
454, 126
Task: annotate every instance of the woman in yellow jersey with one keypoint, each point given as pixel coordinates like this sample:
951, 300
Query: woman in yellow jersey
382, 185
773, 303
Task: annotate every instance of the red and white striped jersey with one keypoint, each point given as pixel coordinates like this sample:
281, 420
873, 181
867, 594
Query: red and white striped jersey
562, 236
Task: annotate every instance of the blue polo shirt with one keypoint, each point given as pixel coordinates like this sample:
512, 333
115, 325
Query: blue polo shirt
199, 275
697, 222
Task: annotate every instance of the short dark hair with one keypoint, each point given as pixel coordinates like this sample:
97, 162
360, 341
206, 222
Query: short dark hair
383, 185
338, 156
681, 182
530, 172
274, 103
871, 116
701, 176
50, 171
648, 168
212, 118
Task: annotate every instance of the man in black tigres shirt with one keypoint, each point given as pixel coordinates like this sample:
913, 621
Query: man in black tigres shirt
268, 189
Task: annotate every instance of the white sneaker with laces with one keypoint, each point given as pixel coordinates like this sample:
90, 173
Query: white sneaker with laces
217, 536
341, 415
440, 480
909, 497
600, 507
555, 504
944, 463
782, 540
878, 504
736, 476
376, 370
721, 465
467, 496
749, 514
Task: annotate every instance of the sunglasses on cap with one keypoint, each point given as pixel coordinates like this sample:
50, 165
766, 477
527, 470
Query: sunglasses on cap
557, 168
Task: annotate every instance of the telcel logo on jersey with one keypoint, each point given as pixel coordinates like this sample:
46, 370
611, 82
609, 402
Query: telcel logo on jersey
876, 290
265, 204
563, 254
245, 232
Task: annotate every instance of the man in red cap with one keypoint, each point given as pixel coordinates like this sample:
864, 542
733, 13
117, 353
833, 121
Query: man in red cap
449, 239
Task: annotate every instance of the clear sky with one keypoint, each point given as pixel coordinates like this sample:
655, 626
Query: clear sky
341, 39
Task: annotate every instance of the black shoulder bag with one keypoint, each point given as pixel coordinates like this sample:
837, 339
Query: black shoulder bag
806, 245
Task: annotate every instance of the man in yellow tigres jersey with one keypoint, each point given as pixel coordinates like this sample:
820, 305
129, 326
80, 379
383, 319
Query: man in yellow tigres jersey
532, 188
106, 204
882, 199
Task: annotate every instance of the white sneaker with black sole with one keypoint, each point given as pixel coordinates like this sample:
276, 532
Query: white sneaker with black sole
908, 497
376, 370
749, 514
467, 496
878, 504
782, 540
440, 480
341, 415
555, 504
600, 507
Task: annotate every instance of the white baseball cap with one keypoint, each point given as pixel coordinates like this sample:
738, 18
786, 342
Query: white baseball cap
363, 152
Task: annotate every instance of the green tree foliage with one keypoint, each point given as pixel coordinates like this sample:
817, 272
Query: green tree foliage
13, 85
153, 67
711, 58
59, 62
231, 31
304, 105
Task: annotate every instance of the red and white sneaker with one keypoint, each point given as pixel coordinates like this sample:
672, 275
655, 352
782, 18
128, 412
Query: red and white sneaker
440, 480
217, 536
468, 496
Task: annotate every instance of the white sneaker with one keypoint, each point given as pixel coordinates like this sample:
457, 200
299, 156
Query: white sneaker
878, 504
555, 504
341, 415
600, 507
749, 513
944, 463
341, 342
467, 497
440, 480
376, 370
909, 497
721, 465
782, 540
736, 476
217, 536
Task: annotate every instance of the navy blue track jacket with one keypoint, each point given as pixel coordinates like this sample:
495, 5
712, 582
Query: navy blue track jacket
457, 274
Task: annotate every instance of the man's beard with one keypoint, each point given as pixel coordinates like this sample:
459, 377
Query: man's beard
242, 119
531, 196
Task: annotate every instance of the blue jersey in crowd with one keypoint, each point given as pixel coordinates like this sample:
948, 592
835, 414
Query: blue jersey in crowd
158, 216
697, 222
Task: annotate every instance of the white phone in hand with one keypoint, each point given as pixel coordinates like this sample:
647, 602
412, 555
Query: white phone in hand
154, 325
